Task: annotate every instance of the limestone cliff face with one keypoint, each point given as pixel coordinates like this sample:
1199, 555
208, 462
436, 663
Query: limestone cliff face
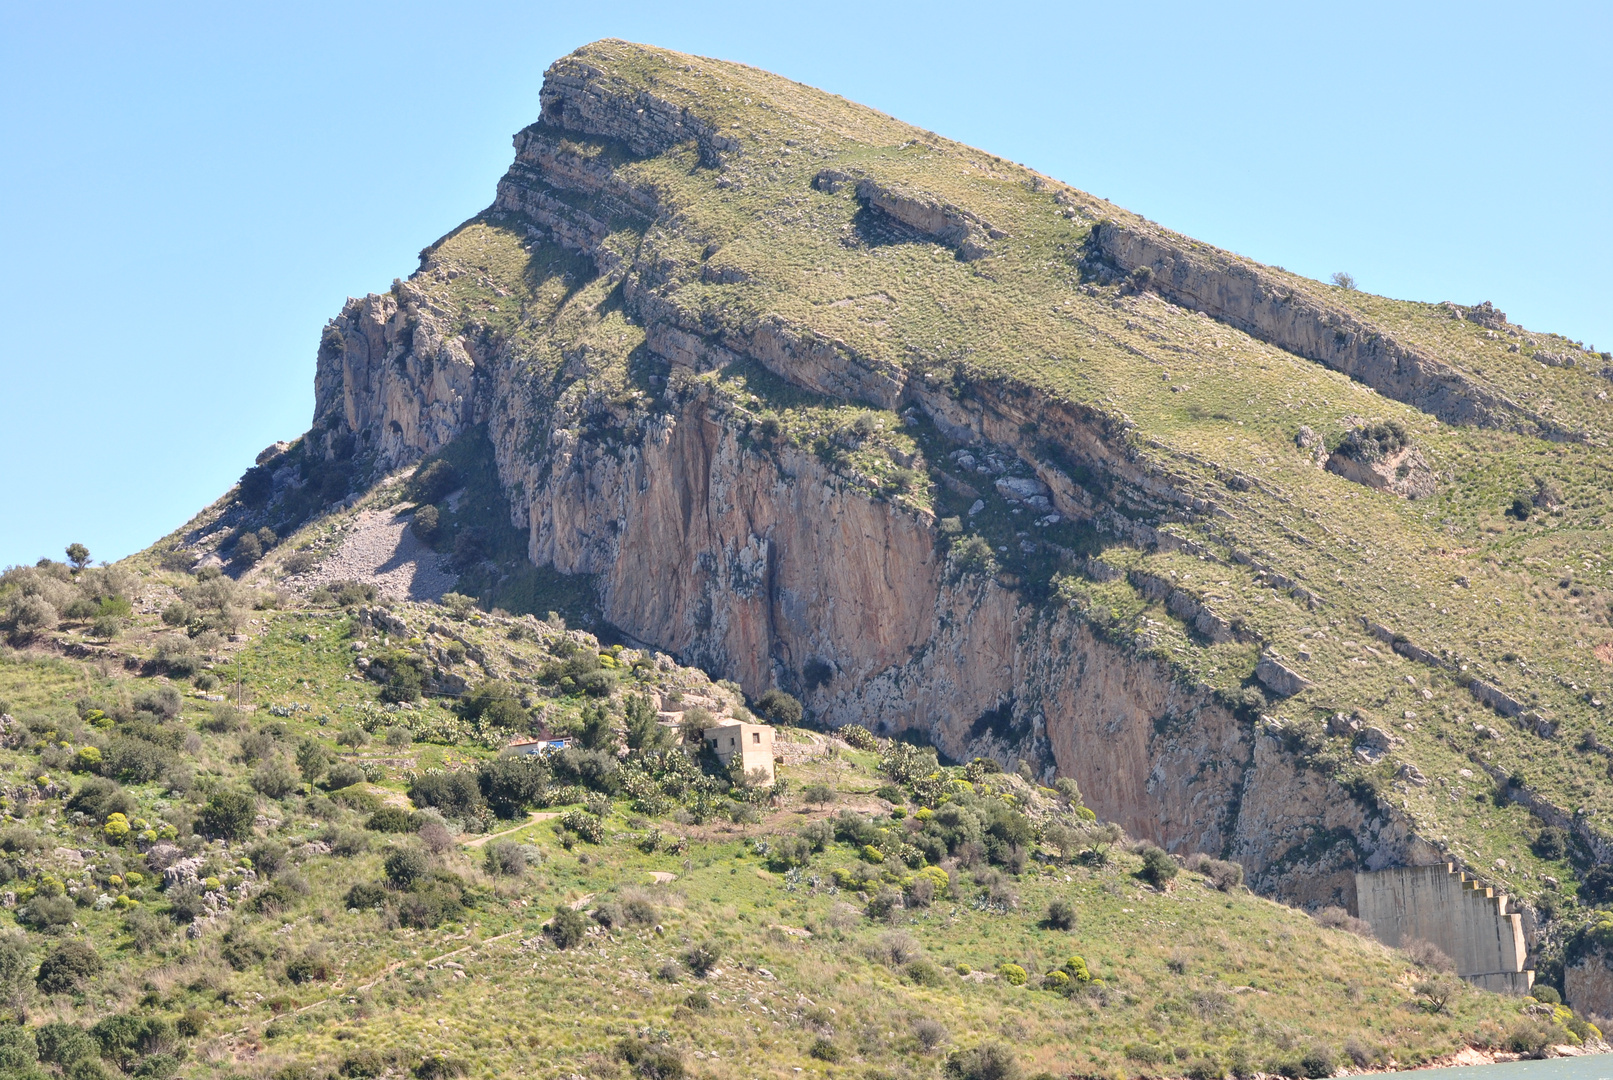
389, 375
766, 565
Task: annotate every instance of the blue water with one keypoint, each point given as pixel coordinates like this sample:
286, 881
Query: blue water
1592, 1067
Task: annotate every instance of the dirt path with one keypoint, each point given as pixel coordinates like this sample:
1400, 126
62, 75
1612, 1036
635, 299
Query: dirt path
382, 550
536, 816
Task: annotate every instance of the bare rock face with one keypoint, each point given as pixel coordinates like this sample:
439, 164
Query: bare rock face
1404, 472
390, 374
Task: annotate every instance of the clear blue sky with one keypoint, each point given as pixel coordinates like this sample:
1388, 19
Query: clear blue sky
187, 192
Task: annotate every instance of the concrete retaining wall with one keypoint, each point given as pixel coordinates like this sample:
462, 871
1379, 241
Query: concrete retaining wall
1468, 922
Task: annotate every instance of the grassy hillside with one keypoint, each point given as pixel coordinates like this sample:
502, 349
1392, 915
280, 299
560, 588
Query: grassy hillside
870, 911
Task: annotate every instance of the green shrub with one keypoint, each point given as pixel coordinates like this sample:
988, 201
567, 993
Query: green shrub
972, 555
48, 912
65, 1044
1012, 974
506, 859
432, 482
779, 707
1158, 868
988, 1061
1546, 994
365, 896
274, 779
824, 1049
18, 1052
426, 522
1551, 843
392, 819
1060, 915
310, 966
924, 972
343, 774
228, 815
652, 1061
701, 958
67, 968
568, 928
1318, 1061
362, 1065
405, 866
456, 795
438, 1067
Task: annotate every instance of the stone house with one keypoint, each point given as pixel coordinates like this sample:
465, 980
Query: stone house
751, 743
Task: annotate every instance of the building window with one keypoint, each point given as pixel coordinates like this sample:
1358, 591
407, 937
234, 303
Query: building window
756, 736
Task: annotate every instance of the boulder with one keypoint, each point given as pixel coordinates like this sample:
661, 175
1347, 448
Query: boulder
1021, 489
1279, 678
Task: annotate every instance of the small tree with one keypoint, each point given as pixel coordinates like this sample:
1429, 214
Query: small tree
78, 555
1437, 991
701, 958
1344, 280
248, 549
779, 707
1158, 867
568, 927
68, 968
228, 815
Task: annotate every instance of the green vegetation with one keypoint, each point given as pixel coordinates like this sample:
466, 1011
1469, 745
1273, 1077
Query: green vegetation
360, 914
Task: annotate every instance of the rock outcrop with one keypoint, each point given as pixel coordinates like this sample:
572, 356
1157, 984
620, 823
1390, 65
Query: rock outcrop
1266, 305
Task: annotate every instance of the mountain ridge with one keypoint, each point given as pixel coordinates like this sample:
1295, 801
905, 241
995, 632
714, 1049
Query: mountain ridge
731, 335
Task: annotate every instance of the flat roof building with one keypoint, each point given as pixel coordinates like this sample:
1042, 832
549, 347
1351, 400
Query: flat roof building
751, 743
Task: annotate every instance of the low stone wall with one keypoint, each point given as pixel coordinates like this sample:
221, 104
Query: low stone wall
1465, 920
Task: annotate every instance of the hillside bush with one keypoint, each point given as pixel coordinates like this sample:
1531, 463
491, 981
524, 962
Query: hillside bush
392, 819
701, 958
1060, 915
343, 774
228, 815
432, 482
1336, 918
568, 928
1158, 868
1551, 843
506, 859
405, 866
66, 968
779, 707
652, 1061
988, 1061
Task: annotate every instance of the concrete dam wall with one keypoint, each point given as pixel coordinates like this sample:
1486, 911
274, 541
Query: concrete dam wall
1467, 921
